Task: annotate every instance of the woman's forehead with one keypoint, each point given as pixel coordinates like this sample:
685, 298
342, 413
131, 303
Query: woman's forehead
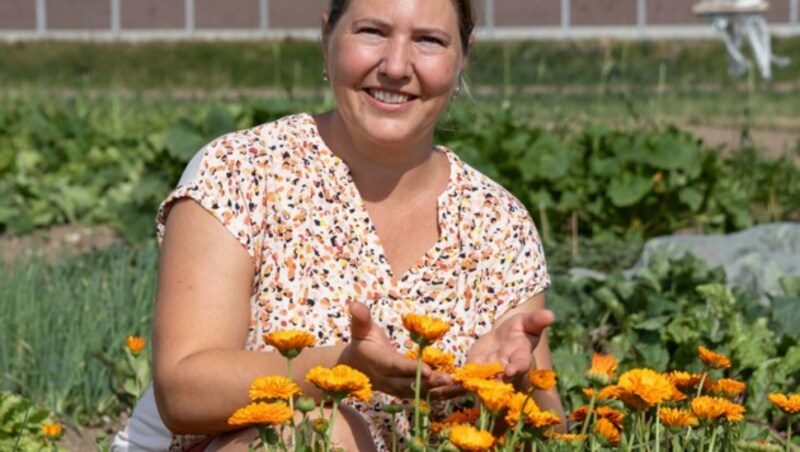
424, 13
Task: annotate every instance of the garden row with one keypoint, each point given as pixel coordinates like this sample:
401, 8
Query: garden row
64, 325
293, 65
103, 163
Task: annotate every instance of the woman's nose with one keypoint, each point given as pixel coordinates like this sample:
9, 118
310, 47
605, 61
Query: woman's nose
397, 59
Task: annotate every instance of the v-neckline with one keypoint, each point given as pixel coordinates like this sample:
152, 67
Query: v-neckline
344, 176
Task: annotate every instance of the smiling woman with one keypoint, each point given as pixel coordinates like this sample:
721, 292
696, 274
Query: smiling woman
290, 224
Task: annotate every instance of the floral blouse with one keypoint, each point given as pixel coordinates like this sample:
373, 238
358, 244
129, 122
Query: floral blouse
293, 205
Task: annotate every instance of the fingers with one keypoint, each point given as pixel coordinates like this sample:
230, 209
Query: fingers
519, 361
535, 322
360, 320
447, 392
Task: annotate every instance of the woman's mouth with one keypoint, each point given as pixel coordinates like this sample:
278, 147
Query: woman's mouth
388, 97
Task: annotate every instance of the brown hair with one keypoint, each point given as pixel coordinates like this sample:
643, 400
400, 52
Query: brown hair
464, 9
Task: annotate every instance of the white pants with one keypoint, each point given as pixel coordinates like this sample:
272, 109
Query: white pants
145, 431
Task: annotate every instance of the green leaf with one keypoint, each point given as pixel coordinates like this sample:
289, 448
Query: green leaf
790, 285
219, 121
628, 189
786, 314
691, 197
183, 142
653, 323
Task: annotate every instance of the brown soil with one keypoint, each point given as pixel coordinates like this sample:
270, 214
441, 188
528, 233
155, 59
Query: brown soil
95, 438
56, 241
775, 142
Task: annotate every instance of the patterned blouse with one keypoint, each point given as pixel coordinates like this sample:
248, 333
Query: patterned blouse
293, 205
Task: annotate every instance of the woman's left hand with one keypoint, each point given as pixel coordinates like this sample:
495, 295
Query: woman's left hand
511, 343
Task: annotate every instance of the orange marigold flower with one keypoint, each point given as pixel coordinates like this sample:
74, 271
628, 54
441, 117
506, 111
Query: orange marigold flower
341, 381
648, 385
465, 416
708, 408
273, 387
468, 438
472, 370
530, 413
566, 437
608, 431
290, 342
261, 413
789, 404
727, 387
52, 431
684, 380
424, 330
493, 394
712, 359
611, 392
135, 344
436, 358
542, 379
616, 417
603, 369
675, 417
437, 427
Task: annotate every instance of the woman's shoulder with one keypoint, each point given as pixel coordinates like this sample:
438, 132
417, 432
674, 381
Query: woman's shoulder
265, 139
257, 146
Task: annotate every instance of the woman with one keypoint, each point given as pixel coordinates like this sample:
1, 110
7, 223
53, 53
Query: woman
338, 224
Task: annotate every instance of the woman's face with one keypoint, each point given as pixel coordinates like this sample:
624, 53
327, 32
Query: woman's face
393, 65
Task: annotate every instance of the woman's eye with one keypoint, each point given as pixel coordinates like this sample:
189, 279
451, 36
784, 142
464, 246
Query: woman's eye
432, 40
370, 31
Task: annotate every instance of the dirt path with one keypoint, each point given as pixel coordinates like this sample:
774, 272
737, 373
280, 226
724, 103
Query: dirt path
774, 142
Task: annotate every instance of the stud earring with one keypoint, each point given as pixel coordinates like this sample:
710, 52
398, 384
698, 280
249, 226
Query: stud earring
456, 91
325, 75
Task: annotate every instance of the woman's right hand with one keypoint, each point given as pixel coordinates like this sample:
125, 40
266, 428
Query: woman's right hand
371, 352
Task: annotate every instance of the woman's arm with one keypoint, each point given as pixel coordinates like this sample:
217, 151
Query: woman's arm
202, 371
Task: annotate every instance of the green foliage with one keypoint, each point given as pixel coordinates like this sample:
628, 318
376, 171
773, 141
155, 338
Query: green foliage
20, 424
659, 317
57, 318
625, 182
102, 163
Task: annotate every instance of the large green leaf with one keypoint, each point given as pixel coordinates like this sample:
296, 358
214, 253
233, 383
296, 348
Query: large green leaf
183, 141
627, 189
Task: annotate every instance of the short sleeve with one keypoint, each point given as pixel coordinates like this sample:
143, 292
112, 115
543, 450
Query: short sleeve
519, 272
227, 182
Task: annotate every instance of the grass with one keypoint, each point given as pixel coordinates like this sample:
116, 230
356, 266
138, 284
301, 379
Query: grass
57, 317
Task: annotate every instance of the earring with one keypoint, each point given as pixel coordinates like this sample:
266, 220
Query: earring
456, 91
325, 74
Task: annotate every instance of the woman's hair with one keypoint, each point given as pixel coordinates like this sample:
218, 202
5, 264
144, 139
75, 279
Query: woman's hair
464, 9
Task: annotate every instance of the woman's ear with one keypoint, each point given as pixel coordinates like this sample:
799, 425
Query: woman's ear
470, 42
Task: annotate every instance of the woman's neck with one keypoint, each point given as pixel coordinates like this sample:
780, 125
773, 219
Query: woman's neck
382, 170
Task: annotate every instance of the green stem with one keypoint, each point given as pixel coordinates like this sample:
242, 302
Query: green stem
700, 385
789, 433
713, 439
417, 384
589, 414
330, 425
394, 433
658, 429
703, 439
291, 403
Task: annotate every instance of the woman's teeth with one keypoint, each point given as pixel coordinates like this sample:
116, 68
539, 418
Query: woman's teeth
389, 98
